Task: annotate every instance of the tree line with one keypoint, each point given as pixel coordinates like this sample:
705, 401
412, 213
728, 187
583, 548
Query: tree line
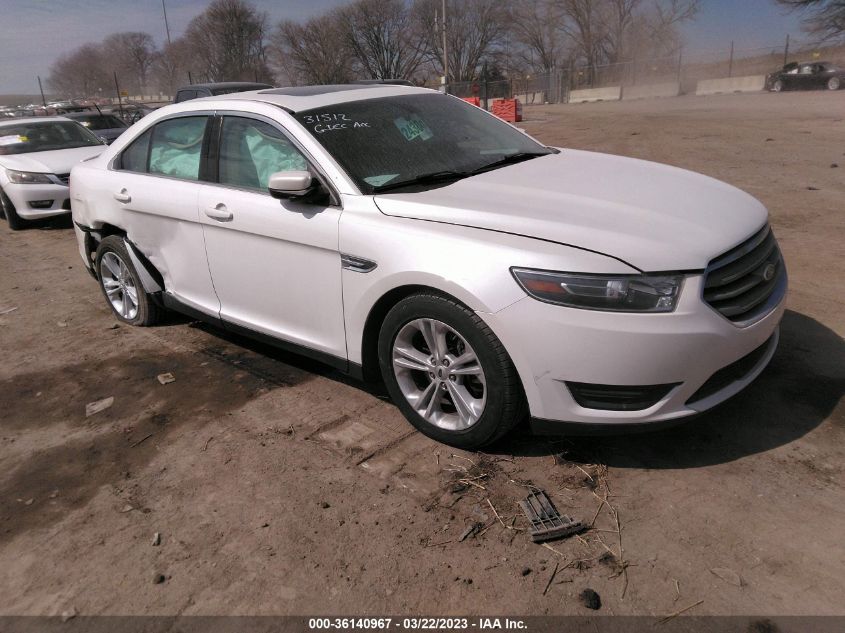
379, 39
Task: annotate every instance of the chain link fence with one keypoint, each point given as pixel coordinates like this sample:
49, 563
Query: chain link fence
684, 69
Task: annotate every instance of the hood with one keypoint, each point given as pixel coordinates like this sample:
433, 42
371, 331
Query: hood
57, 161
652, 216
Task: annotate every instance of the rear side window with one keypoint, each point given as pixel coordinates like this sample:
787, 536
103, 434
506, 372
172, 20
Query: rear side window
134, 157
185, 95
176, 147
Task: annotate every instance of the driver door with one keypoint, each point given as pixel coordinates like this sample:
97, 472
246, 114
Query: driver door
274, 263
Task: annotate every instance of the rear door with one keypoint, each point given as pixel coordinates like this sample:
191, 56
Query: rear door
154, 187
275, 263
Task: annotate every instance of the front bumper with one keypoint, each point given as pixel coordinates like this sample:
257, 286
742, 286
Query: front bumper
22, 196
551, 345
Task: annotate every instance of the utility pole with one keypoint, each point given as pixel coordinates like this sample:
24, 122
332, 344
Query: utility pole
731, 63
786, 51
117, 91
166, 26
43, 100
445, 53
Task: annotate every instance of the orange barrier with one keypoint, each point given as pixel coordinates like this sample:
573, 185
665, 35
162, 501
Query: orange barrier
473, 100
507, 109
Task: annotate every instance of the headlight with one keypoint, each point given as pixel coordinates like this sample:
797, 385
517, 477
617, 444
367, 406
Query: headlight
614, 293
28, 178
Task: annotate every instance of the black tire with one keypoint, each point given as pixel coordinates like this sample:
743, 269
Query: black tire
16, 223
834, 83
148, 312
777, 86
505, 402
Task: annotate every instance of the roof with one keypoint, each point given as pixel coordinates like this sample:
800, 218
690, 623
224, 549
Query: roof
301, 98
225, 85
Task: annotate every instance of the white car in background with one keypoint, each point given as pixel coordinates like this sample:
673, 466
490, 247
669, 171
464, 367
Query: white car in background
402, 235
36, 155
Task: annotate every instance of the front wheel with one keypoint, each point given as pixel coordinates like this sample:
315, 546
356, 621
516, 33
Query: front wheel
121, 285
834, 83
448, 373
16, 223
777, 86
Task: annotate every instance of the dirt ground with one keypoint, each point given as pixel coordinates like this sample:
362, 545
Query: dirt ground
280, 487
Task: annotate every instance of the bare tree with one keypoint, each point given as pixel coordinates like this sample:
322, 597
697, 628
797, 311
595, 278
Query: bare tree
81, 73
670, 13
586, 25
170, 67
384, 37
228, 41
826, 18
536, 29
313, 52
131, 55
620, 15
475, 29
658, 34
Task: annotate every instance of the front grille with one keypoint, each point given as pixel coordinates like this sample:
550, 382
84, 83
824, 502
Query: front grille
731, 374
618, 397
745, 283
65, 178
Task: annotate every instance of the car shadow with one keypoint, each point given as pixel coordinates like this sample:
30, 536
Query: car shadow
798, 391
266, 351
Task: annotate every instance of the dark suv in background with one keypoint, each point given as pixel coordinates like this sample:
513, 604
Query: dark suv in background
195, 91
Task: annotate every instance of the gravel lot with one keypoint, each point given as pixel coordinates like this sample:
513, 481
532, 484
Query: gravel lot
278, 486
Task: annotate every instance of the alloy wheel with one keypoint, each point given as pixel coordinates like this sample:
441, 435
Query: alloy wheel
439, 374
119, 285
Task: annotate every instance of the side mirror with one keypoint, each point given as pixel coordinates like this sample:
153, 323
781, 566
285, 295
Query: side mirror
290, 184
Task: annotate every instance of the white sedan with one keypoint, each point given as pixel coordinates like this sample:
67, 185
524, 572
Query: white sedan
402, 235
36, 155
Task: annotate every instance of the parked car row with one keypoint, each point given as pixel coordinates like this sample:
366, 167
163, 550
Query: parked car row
36, 157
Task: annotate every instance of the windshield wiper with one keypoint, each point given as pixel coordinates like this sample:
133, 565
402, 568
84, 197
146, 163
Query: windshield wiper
424, 179
510, 159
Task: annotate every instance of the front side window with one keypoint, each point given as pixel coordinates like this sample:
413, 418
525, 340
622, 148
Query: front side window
387, 141
38, 136
251, 151
176, 147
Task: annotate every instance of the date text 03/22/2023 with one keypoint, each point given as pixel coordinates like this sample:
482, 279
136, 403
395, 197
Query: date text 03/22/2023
423, 623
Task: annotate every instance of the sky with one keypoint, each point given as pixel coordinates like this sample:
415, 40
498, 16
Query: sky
33, 33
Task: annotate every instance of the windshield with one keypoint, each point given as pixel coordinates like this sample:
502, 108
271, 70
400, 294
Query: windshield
43, 136
396, 139
99, 121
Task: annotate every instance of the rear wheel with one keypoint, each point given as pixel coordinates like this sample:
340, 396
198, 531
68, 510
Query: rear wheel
448, 373
834, 83
16, 223
121, 285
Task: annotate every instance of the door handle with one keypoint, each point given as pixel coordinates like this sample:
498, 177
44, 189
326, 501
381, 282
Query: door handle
123, 196
219, 213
